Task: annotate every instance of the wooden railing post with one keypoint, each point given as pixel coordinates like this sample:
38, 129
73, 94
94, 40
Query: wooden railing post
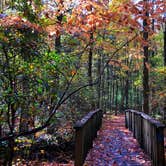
159, 145
79, 146
141, 131
130, 120
86, 130
149, 133
127, 118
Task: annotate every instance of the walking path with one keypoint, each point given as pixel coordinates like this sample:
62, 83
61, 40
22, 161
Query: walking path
115, 146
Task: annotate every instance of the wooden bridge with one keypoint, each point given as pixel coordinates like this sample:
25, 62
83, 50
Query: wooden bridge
114, 139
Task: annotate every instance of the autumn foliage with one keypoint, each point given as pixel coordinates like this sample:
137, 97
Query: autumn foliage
61, 58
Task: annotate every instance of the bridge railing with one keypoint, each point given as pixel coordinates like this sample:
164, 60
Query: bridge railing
149, 133
85, 132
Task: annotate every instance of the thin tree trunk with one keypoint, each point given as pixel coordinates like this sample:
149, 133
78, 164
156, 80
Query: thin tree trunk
113, 95
146, 88
103, 91
165, 65
135, 97
127, 92
11, 145
138, 99
137, 92
121, 109
108, 87
24, 110
90, 58
116, 97
102, 83
111, 84
126, 89
58, 37
0, 130
1, 113
99, 84
165, 45
128, 84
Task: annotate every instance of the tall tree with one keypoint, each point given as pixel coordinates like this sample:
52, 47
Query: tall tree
165, 60
145, 60
165, 41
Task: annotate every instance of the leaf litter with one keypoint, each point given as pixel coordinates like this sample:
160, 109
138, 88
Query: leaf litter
115, 146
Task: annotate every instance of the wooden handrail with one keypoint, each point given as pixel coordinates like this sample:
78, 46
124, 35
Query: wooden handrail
85, 132
149, 133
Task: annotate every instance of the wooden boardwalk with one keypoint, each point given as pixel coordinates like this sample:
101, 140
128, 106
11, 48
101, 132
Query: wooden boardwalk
115, 146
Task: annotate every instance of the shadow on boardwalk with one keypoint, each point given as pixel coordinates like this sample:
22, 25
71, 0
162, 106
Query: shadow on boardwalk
115, 146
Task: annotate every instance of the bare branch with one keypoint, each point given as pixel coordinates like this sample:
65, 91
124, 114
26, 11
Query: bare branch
63, 98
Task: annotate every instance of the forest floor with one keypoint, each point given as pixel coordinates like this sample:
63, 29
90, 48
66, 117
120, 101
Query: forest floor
114, 146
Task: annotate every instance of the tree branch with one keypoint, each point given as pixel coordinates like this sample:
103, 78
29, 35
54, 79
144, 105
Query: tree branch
63, 98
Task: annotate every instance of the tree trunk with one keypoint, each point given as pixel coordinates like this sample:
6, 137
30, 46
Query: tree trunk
1, 113
127, 91
165, 45
116, 98
121, 109
58, 36
24, 118
111, 84
102, 83
113, 95
10, 152
145, 64
165, 66
126, 87
11, 143
108, 87
99, 84
90, 57
0, 130
102, 89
